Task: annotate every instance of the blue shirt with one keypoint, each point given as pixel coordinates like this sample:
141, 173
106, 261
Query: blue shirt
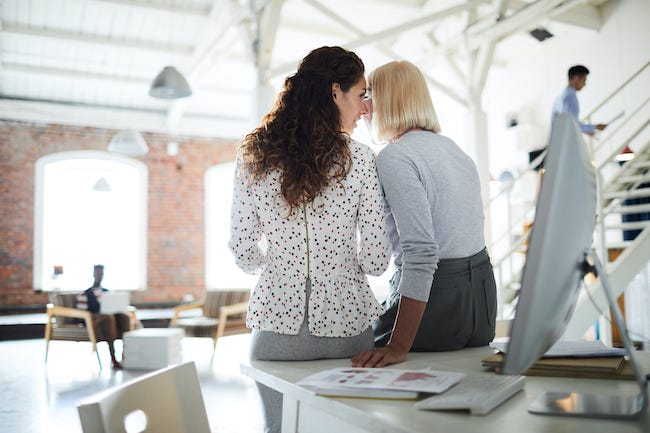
567, 102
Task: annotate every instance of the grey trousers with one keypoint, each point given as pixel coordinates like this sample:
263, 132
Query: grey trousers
461, 310
271, 346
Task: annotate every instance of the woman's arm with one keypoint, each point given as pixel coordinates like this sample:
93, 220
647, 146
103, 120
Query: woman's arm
374, 249
245, 227
409, 316
408, 202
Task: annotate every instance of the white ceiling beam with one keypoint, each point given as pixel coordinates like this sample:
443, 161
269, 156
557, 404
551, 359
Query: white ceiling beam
71, 73
489, 29
76, 37
387, 33
483, 62
386, 50
120, 118
502, 7
269, 24
17, 68
192, 9
485, 56
585, 15
223, 17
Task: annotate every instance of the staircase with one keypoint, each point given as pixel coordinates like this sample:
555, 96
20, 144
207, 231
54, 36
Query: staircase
624, 195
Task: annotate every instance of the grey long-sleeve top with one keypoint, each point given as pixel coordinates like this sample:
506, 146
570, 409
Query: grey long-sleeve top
434, 207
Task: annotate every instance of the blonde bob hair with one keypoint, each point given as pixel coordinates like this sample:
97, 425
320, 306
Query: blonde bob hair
401, 101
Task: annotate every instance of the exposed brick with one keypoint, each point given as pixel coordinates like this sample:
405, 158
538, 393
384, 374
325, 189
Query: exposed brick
176, 236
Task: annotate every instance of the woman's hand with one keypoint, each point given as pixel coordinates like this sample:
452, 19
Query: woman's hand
379, 357
409, 315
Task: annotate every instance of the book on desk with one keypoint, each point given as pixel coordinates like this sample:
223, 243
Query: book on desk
578, 359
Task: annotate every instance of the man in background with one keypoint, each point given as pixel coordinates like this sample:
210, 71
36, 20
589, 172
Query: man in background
567, 102
111, 325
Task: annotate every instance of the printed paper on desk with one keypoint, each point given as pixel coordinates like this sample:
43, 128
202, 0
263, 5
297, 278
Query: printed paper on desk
429, 381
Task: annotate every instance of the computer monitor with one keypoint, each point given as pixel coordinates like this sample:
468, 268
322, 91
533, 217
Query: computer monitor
559, 255
562, 231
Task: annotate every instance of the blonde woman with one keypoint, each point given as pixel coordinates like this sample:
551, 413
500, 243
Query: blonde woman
443, 294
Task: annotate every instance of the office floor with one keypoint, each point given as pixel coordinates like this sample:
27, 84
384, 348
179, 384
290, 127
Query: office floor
39, 398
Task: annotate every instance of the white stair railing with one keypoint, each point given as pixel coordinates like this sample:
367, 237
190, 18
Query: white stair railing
618, 182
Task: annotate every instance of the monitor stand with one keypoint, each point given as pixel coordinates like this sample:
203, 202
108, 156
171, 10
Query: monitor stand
592, 405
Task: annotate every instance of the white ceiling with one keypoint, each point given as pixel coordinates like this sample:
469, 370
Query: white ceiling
90, 62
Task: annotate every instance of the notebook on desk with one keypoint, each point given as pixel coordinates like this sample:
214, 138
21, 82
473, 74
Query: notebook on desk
114, 302
611, 367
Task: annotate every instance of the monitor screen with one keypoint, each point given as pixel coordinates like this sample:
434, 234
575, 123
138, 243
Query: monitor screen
562, 233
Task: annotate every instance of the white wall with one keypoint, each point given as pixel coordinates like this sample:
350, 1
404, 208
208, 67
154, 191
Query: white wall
529, 83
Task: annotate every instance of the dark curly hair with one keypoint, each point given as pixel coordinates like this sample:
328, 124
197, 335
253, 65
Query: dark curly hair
302, 136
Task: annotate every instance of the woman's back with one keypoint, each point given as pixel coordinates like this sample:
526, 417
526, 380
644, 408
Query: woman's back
450, 185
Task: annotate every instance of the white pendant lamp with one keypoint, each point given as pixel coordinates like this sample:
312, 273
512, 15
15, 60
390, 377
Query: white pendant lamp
102, 185
128, 142
170, 84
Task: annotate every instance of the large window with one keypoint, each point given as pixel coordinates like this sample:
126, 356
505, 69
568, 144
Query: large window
221, 272
90, 209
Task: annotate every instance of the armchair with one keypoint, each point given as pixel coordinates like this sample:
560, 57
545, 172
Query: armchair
223, 313
63, 322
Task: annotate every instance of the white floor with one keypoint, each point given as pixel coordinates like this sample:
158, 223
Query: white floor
39, 398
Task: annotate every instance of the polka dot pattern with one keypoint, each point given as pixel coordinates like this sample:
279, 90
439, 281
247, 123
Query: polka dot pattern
346, 239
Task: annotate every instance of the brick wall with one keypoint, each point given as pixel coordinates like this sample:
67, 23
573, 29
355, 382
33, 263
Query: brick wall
175, 264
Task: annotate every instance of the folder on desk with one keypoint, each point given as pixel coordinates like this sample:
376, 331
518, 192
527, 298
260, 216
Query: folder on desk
610, 367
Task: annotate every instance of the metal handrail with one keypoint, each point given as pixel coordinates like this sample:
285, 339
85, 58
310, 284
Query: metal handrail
618, 89
501, 261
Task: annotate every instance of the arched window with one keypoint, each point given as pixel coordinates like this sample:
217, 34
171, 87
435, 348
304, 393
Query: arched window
221, 272
90, 208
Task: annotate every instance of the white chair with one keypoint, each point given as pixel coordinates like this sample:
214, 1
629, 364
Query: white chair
165, 401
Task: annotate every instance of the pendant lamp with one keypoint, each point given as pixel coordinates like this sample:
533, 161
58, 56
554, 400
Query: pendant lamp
128, 142
170, 84
102, 185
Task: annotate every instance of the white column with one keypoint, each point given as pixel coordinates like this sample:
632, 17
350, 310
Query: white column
264, 97
477, 142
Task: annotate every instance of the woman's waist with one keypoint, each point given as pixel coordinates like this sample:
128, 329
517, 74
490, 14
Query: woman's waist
456, 265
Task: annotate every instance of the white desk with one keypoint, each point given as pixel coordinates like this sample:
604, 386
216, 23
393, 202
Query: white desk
305, 412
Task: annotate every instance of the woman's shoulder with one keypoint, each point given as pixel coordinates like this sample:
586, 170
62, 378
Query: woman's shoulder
361, 151
357, 146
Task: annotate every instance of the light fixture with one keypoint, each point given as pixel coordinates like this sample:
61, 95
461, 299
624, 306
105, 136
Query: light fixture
129, 142
102, 185
170, 84
541, 34
625, 155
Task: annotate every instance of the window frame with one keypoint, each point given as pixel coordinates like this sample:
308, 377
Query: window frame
39, 203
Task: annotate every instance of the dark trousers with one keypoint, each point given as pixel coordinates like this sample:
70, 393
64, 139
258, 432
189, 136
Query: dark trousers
461, 311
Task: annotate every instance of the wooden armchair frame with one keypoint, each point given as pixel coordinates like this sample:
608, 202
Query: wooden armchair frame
55, 329
230, 318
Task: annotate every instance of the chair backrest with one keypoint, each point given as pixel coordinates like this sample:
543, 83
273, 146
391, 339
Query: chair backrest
215, 299
64, 300
167, 400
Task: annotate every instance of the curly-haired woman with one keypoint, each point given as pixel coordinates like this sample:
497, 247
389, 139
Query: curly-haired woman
307, 214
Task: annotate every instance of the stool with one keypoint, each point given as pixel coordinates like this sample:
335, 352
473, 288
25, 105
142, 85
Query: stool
152, 348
